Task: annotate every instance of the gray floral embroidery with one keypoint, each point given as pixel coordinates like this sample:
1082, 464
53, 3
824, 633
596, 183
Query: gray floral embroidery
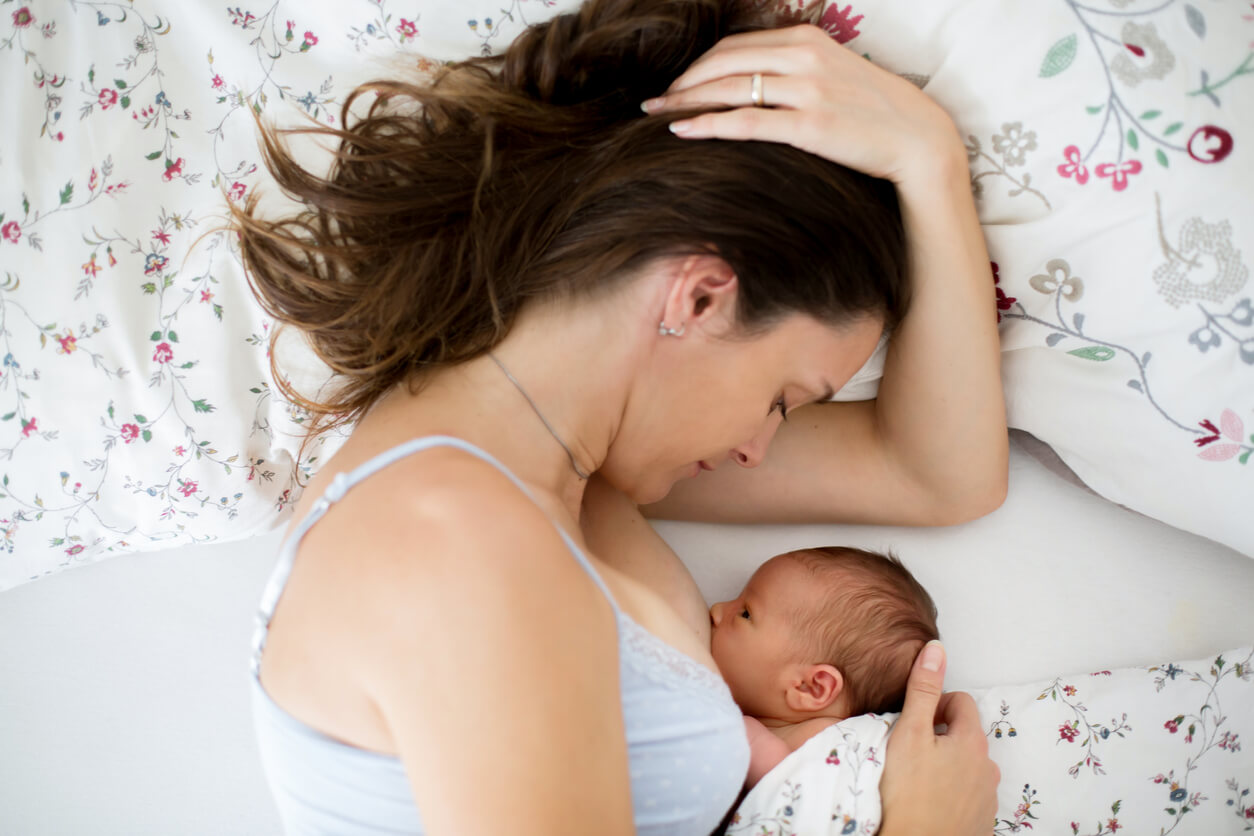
1014, 143
1204, 266
1012, 146
1218, 325
1145, 38
1057, 276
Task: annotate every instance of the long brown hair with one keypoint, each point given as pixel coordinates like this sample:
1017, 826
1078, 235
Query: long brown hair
452, 203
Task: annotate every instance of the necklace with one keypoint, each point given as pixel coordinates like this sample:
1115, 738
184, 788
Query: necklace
539, 415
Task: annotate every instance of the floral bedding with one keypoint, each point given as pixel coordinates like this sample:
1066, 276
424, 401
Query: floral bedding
1110, 155
1147, 750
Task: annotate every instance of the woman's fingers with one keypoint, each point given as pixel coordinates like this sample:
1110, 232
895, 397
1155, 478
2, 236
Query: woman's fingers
701, 70
923, 691
737, 91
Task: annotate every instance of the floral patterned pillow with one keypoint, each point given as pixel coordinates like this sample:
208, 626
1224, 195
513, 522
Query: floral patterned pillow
1111, 147
1152, 750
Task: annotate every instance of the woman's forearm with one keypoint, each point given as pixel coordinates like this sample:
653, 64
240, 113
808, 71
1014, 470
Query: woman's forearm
940, 407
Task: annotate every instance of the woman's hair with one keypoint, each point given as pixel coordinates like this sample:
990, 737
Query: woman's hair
452, 203
873, 621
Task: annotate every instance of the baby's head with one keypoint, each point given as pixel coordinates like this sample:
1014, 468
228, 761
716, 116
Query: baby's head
825, 632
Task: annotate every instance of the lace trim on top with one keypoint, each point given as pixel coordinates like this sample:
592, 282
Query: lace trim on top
657, 660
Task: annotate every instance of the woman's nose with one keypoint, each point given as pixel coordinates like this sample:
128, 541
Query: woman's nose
753, 451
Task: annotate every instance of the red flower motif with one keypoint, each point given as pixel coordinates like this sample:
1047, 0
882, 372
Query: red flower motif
832, 759
311, 39
217, 82
1003, 301
69, 343
28, 427
1074, 165
1210, 428
163, 354
91, 268
23, 18
1119, 172
161, 235
108, 98
838, 23
237, 191
11, 232
1069, 690
1068, 732
1203, 154
112, 261
205, 295
179, 451
173, 170
1249, 812
188, 488
406, 29
1135, 50
130, 432
1171, 726
74, 549
1114, 825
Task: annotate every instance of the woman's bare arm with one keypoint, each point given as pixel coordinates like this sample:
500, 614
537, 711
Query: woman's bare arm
493, 660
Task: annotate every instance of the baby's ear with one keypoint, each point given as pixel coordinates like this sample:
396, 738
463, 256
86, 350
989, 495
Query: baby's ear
816, 689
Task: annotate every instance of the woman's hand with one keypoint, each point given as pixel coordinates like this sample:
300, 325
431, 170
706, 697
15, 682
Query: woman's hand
817, 96
939, 784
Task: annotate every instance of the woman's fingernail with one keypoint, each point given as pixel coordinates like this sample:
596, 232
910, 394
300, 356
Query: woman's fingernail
650, 105
932, 657
681, 128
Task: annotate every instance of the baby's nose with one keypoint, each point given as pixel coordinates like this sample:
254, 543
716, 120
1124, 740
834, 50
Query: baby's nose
716, 614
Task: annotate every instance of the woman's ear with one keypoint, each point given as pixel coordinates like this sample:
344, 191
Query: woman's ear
702, 296
816, 689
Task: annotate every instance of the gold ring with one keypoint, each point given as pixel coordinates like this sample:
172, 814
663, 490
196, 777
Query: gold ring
755, 91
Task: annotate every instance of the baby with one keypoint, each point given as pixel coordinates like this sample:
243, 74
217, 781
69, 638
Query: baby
818, 636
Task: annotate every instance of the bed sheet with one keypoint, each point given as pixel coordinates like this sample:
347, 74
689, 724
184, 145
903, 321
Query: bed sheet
123, 686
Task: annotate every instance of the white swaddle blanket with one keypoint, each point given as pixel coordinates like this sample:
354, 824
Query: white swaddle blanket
830, 786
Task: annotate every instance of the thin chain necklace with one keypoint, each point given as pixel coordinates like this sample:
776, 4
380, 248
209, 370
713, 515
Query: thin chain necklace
539, 415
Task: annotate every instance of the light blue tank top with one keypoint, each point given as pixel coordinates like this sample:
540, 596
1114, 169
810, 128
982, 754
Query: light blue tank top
685, 737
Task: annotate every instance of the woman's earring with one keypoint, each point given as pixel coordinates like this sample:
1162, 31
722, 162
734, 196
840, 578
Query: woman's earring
669, 332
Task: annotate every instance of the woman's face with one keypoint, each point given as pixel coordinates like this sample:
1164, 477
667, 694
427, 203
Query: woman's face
710, 401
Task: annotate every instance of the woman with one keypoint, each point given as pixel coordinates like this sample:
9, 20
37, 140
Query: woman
527, 281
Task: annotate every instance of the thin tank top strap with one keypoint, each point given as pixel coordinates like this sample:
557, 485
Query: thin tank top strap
340, 485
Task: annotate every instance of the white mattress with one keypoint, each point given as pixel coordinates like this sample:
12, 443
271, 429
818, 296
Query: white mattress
123, 699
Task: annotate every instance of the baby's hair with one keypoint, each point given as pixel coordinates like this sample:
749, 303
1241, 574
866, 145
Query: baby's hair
874, 621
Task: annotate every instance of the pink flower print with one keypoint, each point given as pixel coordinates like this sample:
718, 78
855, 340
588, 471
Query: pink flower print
406, 29
205, 295
1229, 742
1172, 726
108, 98
163, 354
179, 451
130, 432
74, 549
237, 191
833, 759
92, 181
154, 263
161, 235
1231, 428
188, 488
1114, 825
1119, 172
1068, 732
112, 261
173, 170
1069, 690
310, 40
11, 232
217, 82
91, 268
23, 18
1074, 165
69, 343
49, 30
838, 23
28, 427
